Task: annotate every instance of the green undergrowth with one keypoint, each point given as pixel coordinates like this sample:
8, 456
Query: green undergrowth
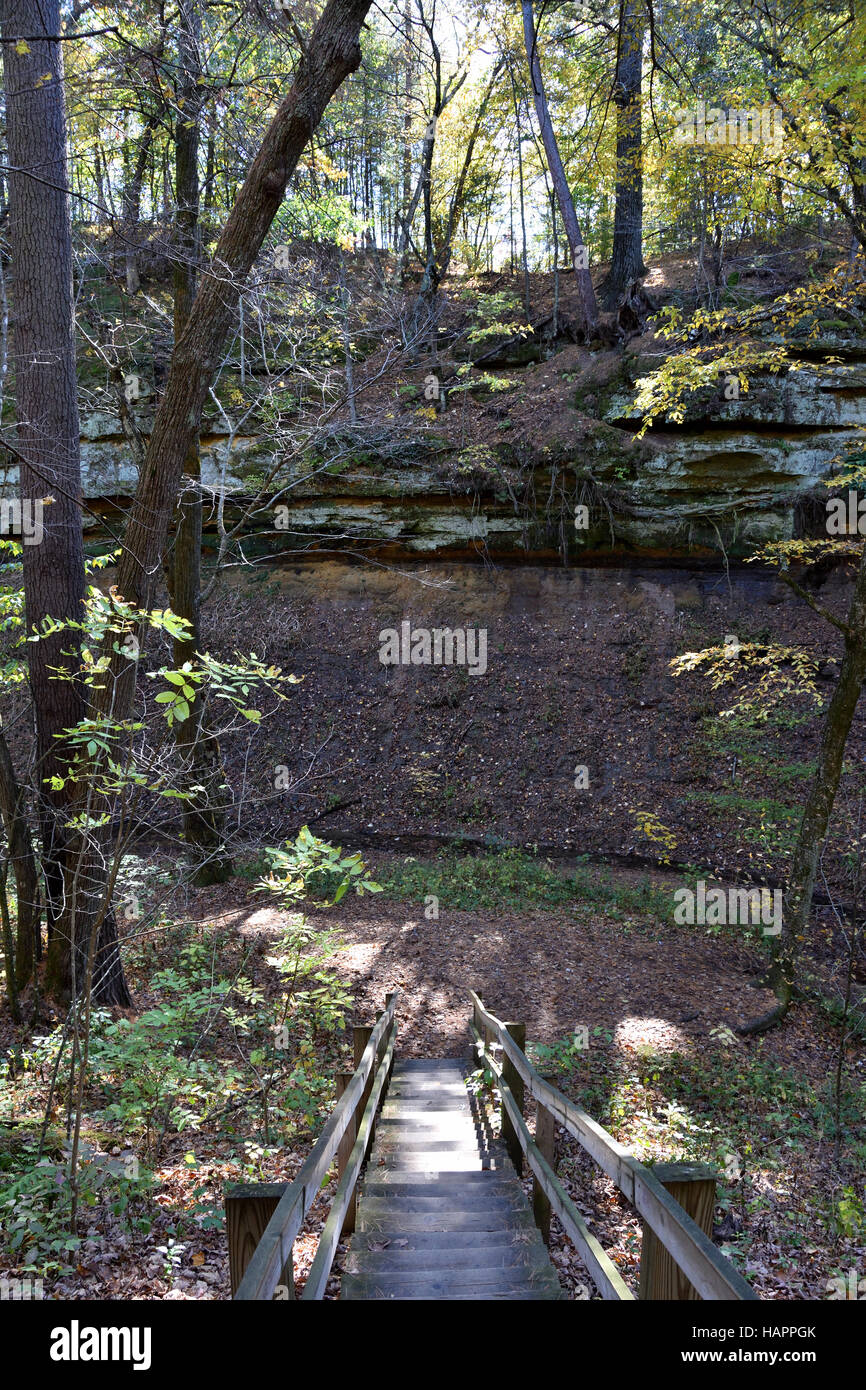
765, 1128
514, 879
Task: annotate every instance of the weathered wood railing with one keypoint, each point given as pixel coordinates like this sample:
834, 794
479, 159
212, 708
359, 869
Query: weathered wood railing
267, 1272
679, 1259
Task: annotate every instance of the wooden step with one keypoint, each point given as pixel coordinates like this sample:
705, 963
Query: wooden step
490, 1284
487, 1219
442, 1185
424, 1241
395, 1258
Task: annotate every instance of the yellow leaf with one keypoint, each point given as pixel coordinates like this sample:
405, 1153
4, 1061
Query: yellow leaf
22, 46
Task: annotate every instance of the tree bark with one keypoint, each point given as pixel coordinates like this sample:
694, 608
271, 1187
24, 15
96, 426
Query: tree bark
583, 279
333, 52
132, 206
627, 259
47, 426
456, 209
23, 862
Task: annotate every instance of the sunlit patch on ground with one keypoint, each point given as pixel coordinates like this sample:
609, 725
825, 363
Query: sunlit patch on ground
659, 1034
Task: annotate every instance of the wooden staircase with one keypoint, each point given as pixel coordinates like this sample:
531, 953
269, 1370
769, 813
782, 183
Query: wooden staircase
441, 1212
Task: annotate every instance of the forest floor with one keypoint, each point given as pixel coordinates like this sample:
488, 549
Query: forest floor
411, 758
663, 1071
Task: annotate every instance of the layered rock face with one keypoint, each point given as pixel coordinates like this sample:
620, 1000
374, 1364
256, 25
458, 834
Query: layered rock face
740, 470
548, 469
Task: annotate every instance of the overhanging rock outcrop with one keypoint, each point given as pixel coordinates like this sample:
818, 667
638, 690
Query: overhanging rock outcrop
550, 471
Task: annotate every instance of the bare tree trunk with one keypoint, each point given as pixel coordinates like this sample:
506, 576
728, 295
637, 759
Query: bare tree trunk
23, 863
523, 253
345, 304
457, 201
407, 211
132, 206
627, 259
203, 813
818, 808
46, 402
583, 279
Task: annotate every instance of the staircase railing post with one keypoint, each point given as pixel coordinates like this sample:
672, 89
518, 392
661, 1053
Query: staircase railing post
249, 1207
388, 998
512, 1079
347, 1143
361, 1034
545, 1139
693, 1185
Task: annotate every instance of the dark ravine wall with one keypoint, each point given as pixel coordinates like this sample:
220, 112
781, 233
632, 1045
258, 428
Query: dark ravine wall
577, 674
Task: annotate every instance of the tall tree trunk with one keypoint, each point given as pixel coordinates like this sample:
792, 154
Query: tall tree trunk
818, 808
524, 258
46, 404
627, 259
209, 180
203, 813
23, 863
132, 206
583, 279
456, 209
405, 215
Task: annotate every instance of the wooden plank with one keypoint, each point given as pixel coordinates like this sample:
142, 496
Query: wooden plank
265, 1268
380, 1177
424, 1163
605, 1275
361, 1034
317, 1278
408, 1222
344, 1152
524, 1295
499, 1206
442, 1185
424, 1242
249, 1208
693, 1185
517, 1032
427, 1064
496, 1257
545, 1141
484, 1284
705, 1266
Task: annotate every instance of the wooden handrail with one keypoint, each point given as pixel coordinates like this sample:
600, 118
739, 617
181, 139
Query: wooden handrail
607, 1277
712, 1275
321, 1267
274, 1250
